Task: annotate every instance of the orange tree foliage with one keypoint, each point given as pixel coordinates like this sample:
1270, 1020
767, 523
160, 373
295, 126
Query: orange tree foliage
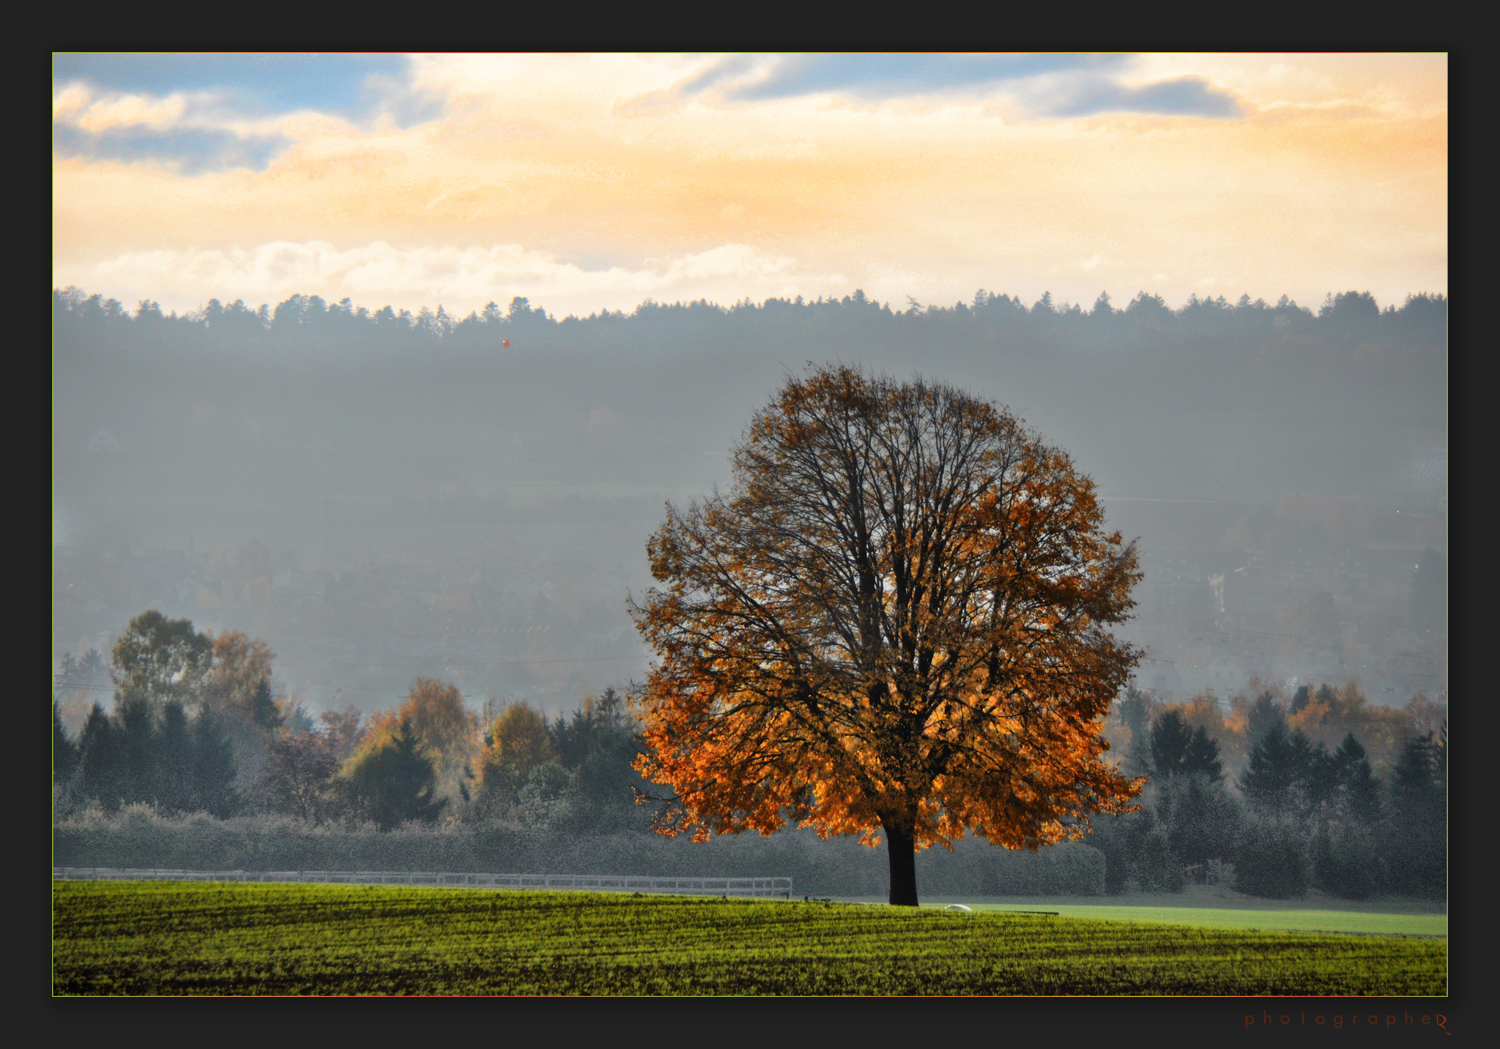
241, 665
514, 744
895, 623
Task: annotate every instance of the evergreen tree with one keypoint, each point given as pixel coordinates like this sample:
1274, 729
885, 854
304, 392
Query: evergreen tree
1359, 790
1202, 758
1321, 782
101, 776
64, 750
212, 770
1263, 714
1170, 738
137, 750
1300, 699
1135, 711
1328, 697
1177, 750
79, 675
599, 744
1417, 829
174, 760
263, 708
395, 782
1275, 778
1420, 773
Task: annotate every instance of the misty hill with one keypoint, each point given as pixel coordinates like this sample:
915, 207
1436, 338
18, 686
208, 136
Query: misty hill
422, 497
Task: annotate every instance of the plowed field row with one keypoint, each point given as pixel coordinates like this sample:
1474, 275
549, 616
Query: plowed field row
238, 939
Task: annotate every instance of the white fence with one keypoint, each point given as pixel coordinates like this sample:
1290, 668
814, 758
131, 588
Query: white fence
773, 887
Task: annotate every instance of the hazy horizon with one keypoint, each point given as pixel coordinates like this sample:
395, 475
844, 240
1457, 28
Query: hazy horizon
491, 504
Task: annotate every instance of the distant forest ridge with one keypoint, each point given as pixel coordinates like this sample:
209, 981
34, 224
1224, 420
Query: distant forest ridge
1350, 317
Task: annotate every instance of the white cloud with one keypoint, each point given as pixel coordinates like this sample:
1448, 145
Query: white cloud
461, 279
158, 114
69, 100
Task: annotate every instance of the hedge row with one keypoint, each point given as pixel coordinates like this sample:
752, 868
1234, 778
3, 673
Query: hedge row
836, 867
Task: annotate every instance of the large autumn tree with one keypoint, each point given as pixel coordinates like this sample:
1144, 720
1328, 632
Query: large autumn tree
894, 625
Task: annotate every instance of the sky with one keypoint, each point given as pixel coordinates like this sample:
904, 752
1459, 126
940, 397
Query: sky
592, 182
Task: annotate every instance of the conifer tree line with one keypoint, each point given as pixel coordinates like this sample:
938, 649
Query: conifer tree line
196, 726
1351, 319
1297, 814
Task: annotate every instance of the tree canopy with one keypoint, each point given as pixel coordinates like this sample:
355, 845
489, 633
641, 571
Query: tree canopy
435, 715
895, 623
159, 659
1177, 750
395, 781
238, 680
515, 743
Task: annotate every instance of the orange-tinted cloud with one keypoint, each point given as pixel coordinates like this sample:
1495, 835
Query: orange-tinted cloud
549, 173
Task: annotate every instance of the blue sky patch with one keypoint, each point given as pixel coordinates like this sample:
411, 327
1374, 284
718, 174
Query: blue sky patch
1188, 96
252, 86
890, 76
193, 150
232, 88
1058, 85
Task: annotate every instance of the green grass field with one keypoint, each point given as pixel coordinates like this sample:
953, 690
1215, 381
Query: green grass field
228, 938
1290, 920
1379, 919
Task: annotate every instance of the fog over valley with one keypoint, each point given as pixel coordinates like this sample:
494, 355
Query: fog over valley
381, 496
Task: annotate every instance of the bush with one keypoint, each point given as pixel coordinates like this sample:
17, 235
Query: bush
1199, 817
1138, 848
1416, 863
1271, 863
1156, 866
544, 800
837, 866
1346, 863
1110, 837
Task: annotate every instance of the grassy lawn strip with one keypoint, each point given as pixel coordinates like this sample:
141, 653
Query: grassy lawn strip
1289, 919
225, 938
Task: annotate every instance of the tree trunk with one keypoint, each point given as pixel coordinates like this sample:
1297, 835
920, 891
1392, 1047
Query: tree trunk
901, 848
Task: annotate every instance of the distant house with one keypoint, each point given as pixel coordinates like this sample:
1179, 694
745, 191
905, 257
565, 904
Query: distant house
104, 443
